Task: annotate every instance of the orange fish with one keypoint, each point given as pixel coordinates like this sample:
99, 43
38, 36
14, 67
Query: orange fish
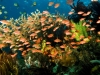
75, 47
38, 40
72, 43
26, 43
98, 21
71, 12
82, 19
45, 12
87, 25
82, 42
57, 40
50, 3
24, 53
92, 29
44, 29
37, 46
21, 49
17, 32
55, 28
80, 12
97, 40
22, 39
98, 32
33, 34
63, 46
48, 43
42, 19
70, 2
50, 35
84, 14
67, 32
2, 45
13, 55
5, 22
34, 51
67, 22
88, 12
56, 5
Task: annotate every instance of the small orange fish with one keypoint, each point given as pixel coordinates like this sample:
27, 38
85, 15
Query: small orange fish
80, 12
24, 53
63, 46
37, 46
34, 51
55, 28
50, 35
57, 40
71, 12
84, 14
50, 3
48, 43
21, 49
70, 2
2, 45
82, 19
75, 47
38, 40
72, 43
26, 43
56, 5
92, 29
17, 32
87, 25
44, 29
97, 40
58, 19
66, 22
98, 32
67, 32
88, 13
82, 42
98, 21
13, 55
42, 19
5, 22
22, 39
45, 12
33, 34
37, 31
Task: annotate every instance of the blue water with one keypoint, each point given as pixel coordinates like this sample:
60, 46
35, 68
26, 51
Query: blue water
25, 6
